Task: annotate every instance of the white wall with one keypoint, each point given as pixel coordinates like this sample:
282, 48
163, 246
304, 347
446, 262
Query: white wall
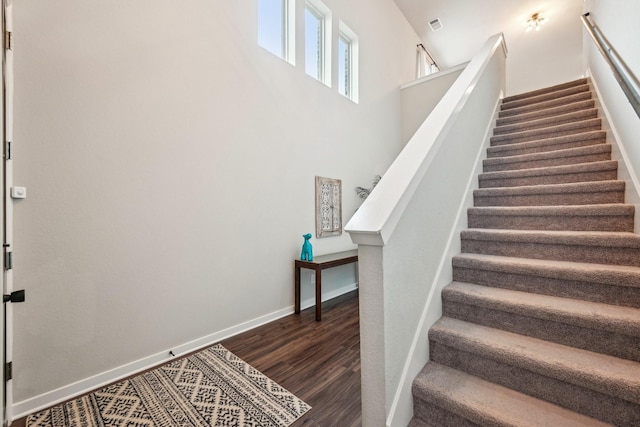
615, 19
547, 57
536, 59
170, 165
421, 96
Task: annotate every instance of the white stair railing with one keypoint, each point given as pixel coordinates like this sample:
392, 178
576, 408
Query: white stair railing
408, 229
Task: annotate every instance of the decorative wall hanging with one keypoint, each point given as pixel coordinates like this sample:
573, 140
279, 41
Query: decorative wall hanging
328, 207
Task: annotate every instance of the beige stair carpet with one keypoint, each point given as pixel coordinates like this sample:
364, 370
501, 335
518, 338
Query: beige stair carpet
541, 326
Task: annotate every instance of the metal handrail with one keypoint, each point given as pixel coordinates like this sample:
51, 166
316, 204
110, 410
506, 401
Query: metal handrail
433, 61
621, 73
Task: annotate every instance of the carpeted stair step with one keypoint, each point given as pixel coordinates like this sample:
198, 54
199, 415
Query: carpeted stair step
569, 156
545, 97
580, 193
541, 324
547, 132
597, 327
451, 398
417, 422
550, 144
558, 102
546, 90
596, 385
609, 284
546, 122
597, 247
582, 172
547, 112
609, 217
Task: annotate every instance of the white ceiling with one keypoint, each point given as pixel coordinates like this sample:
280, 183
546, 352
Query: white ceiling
467, 24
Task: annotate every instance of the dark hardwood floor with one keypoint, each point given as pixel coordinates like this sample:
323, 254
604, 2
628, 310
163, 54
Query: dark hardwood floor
317, 361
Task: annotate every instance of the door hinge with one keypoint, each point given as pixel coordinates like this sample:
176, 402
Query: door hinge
15, 296
7, 151
8, 371
8, 40
8, 260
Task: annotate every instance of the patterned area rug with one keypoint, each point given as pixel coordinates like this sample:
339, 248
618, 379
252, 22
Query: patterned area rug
211, 388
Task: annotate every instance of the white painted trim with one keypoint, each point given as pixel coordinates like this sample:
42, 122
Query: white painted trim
53, 397
421, 331
346, 32
290, 32
324, 14
434, 76
310, 302
8, 283
59, 395
381, 211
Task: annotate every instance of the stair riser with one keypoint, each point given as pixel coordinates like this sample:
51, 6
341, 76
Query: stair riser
536, 125
545, 122
559, 102
416, 422
580, 399
566, 178
559, 252
553, 222
547, 90
549, 112
551, 132
542, 163
557, 95
558, 330
559, 199
542, 147
434, 415
541, 283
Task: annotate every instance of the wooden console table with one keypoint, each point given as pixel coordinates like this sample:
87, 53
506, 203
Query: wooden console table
318, 264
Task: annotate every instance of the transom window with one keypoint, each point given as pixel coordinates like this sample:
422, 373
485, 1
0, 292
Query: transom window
277, 34
317, 23
276, 26
347, 63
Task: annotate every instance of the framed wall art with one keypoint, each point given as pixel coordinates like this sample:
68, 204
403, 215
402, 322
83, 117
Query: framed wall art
328, 207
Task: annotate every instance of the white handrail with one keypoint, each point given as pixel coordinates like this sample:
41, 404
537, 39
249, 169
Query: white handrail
405, 233
374, 222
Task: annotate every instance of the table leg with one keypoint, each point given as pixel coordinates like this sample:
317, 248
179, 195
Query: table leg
318, 294
297, 288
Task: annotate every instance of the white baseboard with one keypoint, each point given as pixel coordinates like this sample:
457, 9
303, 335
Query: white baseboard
54, 397
310, 302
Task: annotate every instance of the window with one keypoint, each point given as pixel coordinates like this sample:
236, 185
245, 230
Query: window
347, 63
317, 35
276, 27
344, 66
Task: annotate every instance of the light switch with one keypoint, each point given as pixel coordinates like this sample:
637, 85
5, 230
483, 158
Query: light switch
18, 192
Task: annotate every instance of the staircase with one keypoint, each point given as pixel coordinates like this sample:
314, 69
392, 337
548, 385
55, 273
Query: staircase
541, 325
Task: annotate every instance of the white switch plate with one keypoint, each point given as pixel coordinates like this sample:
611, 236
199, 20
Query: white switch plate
18, 192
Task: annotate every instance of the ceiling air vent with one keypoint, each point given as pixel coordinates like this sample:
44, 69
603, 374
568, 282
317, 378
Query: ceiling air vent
435, 24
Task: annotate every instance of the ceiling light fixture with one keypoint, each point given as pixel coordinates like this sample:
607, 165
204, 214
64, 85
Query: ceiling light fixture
535, 21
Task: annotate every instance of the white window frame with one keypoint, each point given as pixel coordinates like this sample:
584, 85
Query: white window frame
323, 13
288, 32
345, 33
